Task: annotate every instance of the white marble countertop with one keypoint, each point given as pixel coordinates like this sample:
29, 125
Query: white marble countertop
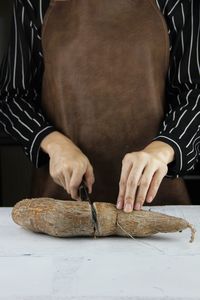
37, 266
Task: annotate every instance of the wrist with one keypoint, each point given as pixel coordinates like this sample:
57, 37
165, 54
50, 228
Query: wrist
53, 141
161, 151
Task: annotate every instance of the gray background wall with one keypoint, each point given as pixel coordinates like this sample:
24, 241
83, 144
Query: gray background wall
15, 169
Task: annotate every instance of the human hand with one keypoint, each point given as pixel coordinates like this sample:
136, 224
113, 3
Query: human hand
68, 165
141, 175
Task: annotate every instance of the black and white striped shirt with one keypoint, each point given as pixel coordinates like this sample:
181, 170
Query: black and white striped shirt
22, 69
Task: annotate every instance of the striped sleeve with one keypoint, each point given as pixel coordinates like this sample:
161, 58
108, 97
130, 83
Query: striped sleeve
20, 85
181, 126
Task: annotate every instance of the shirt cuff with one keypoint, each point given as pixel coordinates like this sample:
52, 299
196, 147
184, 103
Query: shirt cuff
37, 156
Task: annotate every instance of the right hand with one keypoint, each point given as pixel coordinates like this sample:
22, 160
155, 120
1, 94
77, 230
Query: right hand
68, 165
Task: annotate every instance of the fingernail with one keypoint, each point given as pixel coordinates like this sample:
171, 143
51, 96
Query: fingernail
128, 207
119, 204
137, 206
150, 199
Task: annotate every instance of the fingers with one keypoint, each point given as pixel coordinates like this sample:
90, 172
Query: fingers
130, 177
145, 182
140, 179
60, 181
61, 178
67, 177
131, 187
63, 182
68, 164
70, 180
74, 183
80, 171
89, 178
155, 184
126, 167
70, 174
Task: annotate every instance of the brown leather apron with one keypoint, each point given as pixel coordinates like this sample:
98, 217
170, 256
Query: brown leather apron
106, 63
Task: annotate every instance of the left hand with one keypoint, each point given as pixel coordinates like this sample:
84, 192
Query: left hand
141, 175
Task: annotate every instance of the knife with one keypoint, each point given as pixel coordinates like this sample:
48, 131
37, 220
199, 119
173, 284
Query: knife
84, 195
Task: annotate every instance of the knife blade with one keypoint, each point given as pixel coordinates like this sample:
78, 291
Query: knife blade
84, 195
